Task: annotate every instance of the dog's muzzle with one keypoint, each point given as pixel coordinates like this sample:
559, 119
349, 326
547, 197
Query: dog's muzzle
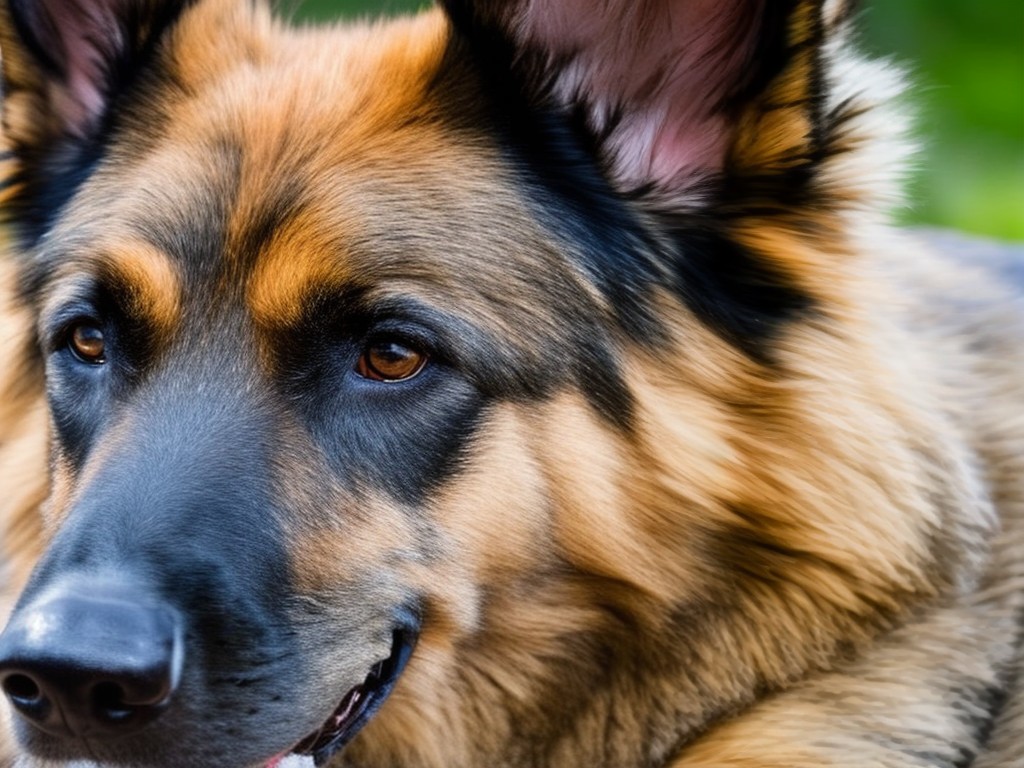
91, 660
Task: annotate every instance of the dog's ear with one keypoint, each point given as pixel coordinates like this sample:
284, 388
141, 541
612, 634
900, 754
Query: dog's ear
672, 93
66, 63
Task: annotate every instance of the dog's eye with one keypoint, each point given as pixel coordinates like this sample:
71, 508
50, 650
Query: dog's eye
87, 343
390, 360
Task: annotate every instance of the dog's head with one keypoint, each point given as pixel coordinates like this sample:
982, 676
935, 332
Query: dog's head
498, 353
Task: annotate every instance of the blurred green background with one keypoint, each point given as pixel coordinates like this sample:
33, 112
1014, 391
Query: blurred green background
967, 62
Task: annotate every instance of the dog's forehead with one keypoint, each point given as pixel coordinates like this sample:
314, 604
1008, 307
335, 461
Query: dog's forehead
282, 179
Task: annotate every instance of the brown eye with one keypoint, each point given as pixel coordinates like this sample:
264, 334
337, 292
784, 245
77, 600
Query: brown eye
87, 343
390, 360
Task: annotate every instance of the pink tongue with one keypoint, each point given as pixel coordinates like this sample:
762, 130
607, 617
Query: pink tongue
275, 761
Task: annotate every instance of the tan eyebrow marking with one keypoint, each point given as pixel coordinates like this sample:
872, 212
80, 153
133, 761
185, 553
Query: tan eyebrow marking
145, 281
150, 283
297, 260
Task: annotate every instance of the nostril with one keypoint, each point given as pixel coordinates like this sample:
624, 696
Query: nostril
22, 689
109, 702
27, 697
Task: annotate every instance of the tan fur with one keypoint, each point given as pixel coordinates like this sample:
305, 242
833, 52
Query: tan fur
23, 446
897, 697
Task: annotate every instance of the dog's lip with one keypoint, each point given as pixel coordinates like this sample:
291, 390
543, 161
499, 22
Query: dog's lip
358, 705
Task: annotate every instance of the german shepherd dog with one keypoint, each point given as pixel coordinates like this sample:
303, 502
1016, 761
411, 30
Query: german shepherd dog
523, 384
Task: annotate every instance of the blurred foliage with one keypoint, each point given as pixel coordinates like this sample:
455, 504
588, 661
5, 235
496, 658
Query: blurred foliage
966, 60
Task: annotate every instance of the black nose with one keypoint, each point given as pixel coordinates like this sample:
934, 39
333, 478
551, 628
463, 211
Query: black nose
90, 664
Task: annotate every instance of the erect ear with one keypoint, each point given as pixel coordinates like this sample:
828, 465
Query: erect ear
673, 93
65, 65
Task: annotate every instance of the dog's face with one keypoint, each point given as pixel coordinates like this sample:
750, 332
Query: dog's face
284, 359
404, 357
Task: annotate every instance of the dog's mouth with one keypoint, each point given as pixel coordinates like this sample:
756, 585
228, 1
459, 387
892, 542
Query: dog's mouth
357, 706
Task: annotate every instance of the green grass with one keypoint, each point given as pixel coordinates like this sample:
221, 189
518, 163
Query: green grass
967, 63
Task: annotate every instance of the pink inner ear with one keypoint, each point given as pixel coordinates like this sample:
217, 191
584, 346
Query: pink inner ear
661, 68
88, 36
